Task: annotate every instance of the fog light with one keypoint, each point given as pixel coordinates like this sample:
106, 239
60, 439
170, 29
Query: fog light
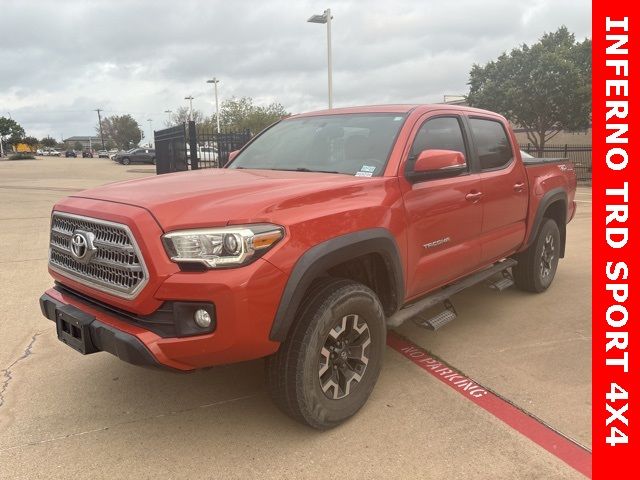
202, 318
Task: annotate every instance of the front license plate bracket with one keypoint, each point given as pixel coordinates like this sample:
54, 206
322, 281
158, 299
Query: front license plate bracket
72, 327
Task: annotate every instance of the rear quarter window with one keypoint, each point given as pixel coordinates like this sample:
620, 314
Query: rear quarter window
492, 143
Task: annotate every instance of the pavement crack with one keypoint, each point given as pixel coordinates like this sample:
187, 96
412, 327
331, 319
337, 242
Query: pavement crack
128, 422
7, 373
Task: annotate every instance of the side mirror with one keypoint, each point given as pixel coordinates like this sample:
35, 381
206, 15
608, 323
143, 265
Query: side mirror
439, 163
233, 155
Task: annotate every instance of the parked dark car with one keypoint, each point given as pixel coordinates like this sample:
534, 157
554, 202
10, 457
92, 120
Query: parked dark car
140, 155
70, 153
87, 154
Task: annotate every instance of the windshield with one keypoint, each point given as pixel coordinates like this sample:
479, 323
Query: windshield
351, 144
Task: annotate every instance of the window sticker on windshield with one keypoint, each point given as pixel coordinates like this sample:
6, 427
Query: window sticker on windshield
397, 119
364, 174
367, 168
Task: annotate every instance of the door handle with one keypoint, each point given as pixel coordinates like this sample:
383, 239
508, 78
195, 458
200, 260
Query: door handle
519, 187
473, 196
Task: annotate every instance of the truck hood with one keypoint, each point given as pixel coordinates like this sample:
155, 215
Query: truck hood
217, 197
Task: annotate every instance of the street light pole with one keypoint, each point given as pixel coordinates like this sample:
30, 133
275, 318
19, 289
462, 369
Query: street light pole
100, 125
150, 130
326, 18
215, 82
190, 98
329, 59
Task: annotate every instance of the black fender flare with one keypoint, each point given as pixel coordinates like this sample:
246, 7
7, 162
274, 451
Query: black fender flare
320, 258
552, 196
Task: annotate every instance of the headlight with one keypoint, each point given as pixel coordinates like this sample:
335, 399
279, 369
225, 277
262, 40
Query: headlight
222, 247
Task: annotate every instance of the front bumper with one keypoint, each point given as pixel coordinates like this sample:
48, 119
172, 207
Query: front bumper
103, 337
244, 302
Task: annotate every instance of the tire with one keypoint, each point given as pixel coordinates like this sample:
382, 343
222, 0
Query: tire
153, 161
537, 265
301, 376
126, 161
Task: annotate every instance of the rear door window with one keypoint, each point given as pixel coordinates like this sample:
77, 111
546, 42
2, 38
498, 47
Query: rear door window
492, 143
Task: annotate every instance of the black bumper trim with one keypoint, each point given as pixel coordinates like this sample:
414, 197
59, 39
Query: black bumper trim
106, 338
171, 319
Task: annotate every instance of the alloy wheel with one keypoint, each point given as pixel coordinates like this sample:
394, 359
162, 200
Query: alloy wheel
547, 256
344, 356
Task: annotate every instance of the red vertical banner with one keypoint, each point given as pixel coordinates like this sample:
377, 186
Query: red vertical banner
616, 246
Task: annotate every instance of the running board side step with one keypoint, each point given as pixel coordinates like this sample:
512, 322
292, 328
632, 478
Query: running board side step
445, 293
440, 320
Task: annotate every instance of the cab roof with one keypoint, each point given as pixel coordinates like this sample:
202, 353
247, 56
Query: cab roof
394, 108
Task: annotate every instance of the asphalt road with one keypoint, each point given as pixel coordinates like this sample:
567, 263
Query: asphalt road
63, 415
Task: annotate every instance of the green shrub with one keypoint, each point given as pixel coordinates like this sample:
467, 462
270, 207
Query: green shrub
21, 156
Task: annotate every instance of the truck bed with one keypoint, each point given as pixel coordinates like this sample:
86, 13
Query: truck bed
540, 161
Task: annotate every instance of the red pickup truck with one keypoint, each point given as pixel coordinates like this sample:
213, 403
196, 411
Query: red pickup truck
323, 231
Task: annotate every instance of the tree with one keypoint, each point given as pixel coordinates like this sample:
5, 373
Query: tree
11, 132
48, 142
31, 141
239, 114
122, 130
77, 146
544, 88
181, 115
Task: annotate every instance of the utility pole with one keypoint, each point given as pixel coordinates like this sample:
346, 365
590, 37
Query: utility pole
100, 123
215, 82
169, 112
190, 98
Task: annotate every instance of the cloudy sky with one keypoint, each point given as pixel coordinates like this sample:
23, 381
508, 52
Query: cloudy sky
61, 59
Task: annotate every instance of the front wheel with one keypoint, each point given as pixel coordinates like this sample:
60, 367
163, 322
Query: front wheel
327, 367
126, 161
537, 265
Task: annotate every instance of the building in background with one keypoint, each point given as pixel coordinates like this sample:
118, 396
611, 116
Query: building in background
87, 141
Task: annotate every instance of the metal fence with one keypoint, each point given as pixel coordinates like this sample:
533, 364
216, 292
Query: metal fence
214, 148
580, 155
190, 147
171, 149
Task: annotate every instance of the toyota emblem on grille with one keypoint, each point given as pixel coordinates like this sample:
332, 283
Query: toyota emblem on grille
82, 247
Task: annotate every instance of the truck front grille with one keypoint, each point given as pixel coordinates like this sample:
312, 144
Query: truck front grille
101, 254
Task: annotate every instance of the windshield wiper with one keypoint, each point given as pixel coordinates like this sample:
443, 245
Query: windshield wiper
303, 169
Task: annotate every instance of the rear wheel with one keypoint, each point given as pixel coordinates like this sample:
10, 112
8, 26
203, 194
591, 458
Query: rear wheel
153, 161
537, 265
327, 367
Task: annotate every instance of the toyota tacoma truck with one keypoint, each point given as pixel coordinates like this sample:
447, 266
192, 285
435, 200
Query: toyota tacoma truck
318, 235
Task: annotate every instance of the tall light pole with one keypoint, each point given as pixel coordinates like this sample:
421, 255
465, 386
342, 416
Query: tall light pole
326, 18
150, 130
190, 98
215, 82
100, 125
169, 113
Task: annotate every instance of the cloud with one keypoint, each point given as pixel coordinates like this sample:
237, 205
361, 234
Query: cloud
143, 57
